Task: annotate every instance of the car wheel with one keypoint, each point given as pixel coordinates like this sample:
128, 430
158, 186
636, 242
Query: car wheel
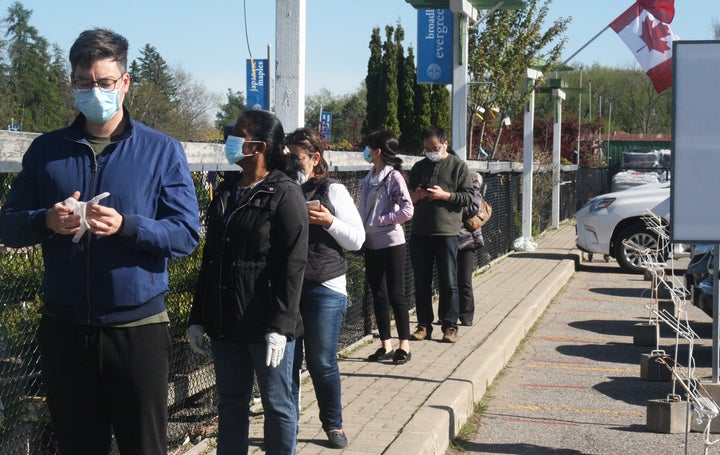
629, 258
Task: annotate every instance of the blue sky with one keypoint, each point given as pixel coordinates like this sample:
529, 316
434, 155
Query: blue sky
207, 38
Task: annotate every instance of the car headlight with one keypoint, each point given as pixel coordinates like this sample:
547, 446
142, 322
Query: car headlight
601, 203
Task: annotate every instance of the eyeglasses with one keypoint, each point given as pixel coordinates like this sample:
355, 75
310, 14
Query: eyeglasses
435, 149
105, 85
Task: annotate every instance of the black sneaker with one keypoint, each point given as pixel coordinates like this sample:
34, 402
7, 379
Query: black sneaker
337, 439
401, 357
380, 354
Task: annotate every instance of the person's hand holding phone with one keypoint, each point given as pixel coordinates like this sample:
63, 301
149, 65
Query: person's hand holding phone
419, 193
437, 193
319, 214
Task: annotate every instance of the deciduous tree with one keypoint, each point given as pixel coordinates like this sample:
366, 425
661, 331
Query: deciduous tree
501, 50
231, 110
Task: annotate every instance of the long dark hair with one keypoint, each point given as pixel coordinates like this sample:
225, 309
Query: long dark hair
264, 126
388, 144
309, 140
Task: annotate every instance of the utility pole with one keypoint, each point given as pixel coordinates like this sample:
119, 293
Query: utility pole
290, 31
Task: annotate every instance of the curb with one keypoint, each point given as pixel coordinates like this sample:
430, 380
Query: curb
436, 423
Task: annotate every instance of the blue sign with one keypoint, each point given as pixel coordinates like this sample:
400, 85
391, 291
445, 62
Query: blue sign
434, 46
325, 125
258, 90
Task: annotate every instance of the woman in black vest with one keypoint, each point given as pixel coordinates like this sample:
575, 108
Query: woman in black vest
335, 225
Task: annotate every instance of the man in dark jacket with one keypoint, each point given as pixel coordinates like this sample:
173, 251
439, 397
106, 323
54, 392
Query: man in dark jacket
103, 337
441, 187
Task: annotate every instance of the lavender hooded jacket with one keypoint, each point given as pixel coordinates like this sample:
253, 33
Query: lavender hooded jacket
384, 205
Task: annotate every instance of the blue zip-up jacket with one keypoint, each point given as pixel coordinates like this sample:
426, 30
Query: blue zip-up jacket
113, 279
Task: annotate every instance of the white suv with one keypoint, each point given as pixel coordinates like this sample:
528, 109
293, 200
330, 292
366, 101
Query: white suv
605, 221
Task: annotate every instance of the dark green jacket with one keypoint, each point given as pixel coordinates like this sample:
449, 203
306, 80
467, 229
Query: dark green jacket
434, 217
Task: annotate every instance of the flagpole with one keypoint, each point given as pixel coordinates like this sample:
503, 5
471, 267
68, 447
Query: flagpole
586, 45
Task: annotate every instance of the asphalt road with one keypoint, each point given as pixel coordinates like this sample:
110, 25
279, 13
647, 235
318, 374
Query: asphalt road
574, 386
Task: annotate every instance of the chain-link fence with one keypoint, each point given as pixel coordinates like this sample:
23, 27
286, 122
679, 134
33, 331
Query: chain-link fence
24, 419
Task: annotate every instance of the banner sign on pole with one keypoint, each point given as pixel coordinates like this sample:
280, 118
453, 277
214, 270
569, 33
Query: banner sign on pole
258, 91
325, 125
434, 55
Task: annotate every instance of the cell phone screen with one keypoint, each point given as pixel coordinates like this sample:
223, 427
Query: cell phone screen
314, 204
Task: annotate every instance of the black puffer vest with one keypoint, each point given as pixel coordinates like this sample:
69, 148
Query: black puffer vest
326, 259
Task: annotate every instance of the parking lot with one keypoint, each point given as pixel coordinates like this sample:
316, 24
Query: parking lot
575, 386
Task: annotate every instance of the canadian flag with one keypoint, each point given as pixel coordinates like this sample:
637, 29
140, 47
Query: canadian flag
650, 40
661, 9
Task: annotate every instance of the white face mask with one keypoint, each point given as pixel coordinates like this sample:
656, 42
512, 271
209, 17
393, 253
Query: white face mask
302, 177
434, 156
306, 169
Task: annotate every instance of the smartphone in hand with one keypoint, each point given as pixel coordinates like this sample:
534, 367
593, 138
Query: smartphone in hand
314, 204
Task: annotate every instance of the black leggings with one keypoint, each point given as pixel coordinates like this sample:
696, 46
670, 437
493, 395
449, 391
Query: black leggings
385, 273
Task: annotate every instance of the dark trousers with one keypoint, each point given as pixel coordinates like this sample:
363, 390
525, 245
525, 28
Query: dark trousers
101, 380
441, 251
385, 273
466, 267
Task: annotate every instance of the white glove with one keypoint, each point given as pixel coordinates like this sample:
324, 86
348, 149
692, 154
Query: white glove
196, 337
78, 208
275, 348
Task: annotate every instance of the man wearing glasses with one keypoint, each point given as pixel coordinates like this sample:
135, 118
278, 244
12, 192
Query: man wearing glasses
103, 336
440, 187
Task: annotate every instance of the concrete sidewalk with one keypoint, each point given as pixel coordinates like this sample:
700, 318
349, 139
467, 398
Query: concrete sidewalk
418, 407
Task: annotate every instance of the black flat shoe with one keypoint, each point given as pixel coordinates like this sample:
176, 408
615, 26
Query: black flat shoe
337, 439
380, 354
401, 357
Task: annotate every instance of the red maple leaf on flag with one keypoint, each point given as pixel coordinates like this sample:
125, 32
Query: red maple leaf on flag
653, 36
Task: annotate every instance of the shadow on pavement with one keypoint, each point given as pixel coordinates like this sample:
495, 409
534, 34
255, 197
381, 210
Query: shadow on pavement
549, 257
607, 326
389, 376
633, 429
702, 329
701, 354
585, 267
634, 391
607, 353
623, 292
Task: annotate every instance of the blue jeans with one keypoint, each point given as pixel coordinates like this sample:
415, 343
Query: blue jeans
322, 311
442, 251
235, 364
